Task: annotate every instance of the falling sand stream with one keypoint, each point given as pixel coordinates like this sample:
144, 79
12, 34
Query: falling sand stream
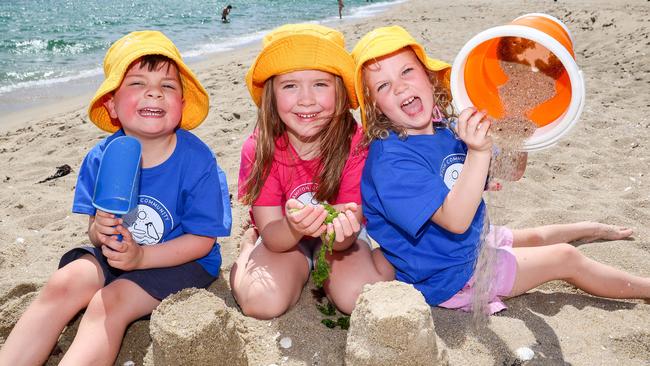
531, 71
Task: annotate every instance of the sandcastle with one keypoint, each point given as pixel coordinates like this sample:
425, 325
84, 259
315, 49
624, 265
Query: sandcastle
196, 327
391, 325
205, 337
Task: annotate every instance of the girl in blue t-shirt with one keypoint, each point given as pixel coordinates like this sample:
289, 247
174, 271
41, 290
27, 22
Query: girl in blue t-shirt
422, 189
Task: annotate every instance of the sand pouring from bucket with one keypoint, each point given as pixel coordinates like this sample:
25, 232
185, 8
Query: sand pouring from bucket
118, 178
545, 46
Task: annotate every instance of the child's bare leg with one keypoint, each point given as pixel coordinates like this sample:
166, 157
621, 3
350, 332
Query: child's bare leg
265, 283
566, 233
353, 268
102, 327
538, 265
67, 291
246, 246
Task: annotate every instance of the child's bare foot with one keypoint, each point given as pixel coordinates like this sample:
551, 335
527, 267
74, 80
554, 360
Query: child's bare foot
608, 232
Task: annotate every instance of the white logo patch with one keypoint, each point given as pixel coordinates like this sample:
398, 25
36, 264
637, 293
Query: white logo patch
451, 167
305, 193
147, 223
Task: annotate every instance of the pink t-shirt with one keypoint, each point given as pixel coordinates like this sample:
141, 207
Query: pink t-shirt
292, 177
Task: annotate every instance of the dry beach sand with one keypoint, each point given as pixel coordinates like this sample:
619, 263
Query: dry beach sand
599, 171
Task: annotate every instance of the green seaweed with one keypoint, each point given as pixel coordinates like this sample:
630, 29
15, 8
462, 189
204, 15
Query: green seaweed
343, 322
328, 309
322, 269
329, 323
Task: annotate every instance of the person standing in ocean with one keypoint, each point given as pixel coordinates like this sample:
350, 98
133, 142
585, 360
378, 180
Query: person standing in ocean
225, 12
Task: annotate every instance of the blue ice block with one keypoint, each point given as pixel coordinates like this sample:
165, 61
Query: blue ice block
118, 179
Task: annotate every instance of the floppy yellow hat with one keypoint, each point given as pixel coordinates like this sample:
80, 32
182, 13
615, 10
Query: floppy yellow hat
294, 47
381, 42
130, 48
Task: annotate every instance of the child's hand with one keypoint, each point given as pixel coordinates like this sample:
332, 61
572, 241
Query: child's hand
345, 224
306, 220
473, 129
104, 226
126, 254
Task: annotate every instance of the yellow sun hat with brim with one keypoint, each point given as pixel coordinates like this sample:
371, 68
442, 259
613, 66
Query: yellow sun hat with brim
118, 59
295, 47
384, 41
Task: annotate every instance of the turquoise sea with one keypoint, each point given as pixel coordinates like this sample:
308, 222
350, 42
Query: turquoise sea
55, 48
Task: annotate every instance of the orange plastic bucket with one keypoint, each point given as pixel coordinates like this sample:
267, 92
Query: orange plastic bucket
544, 43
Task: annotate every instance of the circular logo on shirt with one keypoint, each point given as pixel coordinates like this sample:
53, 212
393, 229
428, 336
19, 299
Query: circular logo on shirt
451, 167
148, 222
305, 193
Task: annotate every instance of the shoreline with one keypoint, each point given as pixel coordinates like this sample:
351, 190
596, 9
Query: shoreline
18, 102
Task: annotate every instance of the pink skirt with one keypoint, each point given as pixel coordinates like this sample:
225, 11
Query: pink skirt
499, 237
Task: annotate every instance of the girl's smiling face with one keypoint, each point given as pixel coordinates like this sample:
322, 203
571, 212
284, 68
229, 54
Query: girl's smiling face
402, 91
305, 102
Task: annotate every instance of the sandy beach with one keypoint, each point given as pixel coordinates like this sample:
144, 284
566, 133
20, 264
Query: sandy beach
599, 172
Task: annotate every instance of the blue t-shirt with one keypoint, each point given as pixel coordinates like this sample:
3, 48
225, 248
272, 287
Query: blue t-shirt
403, 184
186, 194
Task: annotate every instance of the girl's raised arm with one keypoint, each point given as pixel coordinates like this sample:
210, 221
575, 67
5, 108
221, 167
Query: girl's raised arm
459, 207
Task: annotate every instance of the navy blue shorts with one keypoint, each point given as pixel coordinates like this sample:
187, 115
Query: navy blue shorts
157, 282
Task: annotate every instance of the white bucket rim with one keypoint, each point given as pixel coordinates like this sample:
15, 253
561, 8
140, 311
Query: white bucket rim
547, 16
560, 125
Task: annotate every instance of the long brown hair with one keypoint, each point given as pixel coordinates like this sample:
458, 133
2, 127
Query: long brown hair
378, 125
335, 141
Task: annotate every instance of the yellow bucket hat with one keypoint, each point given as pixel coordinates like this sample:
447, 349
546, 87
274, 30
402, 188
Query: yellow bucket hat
294, 47
130, 48
381, 42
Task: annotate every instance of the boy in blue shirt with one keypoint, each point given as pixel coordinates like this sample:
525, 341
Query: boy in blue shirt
168, 241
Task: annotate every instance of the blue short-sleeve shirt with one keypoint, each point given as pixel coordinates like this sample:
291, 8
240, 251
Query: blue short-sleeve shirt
186, 194
404, 182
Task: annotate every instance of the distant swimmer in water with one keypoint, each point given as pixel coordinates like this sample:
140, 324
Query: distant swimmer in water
224, 13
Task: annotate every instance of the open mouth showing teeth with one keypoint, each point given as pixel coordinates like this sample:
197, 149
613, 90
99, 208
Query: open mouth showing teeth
412, 106
311, 115
408, 101
151, 112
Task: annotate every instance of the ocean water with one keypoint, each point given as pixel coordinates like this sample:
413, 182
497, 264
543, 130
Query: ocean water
54, 48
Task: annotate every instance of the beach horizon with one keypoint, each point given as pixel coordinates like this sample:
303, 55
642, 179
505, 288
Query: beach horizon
20, 92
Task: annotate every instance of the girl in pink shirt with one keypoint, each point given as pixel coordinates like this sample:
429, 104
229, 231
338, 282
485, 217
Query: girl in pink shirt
306, 150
